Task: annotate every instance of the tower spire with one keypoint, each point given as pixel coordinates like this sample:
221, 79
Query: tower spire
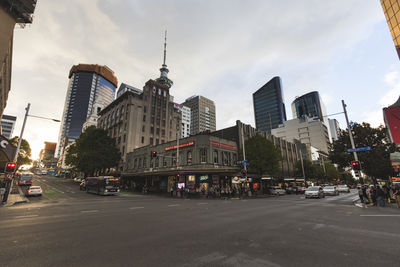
164, 70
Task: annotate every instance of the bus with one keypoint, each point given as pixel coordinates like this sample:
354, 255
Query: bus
102, 185
24, 178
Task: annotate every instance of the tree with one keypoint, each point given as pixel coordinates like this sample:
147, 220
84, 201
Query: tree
311, 170
24, 153
375, 163
93, 150
331, 172
263, 156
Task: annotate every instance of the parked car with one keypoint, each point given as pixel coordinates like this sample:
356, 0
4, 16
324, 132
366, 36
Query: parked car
314, 191
343, 188
301, 190
330, 190
34, 190
82, 186
276, 190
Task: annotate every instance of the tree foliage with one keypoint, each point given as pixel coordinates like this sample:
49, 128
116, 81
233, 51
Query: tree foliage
375, 163
263, 156
93, 150
25, 153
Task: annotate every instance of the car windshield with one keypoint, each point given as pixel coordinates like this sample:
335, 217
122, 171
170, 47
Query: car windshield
313, 188
343, 186
329, 187
35, 187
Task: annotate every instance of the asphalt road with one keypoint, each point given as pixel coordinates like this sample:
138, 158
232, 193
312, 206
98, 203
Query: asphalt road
73, 228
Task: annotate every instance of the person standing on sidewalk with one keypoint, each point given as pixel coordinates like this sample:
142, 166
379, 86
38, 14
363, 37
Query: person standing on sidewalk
380, 196
360, 193
396, 194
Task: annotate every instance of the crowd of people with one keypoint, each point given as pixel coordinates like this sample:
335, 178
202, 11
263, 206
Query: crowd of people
214, 191
378, 195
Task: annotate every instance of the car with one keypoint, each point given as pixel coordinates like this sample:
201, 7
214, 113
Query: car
34, 190
300, 190
314, 191
343, 188
330, 190
276, 190
82, 186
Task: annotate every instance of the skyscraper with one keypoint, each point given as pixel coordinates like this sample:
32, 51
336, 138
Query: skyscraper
269, 109
86, 83
311, 105
202, 114
7, 125
391, 8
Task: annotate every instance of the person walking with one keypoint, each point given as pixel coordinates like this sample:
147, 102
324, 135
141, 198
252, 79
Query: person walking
360, 193
380, 196
172, 191
364, 194
372, 191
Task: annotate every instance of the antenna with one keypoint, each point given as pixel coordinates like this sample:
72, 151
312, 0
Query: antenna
165, 47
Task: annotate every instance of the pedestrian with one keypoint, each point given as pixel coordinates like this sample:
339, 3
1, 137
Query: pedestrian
187, 192
372, 191
365, 194
172, 191
360, 193
380, 196
397, 195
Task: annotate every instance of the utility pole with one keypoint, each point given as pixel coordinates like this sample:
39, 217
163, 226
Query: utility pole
244, 150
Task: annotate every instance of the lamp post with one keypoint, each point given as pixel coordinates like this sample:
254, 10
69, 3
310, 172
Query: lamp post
9, 185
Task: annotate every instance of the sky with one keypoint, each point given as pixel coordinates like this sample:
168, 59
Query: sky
224, 50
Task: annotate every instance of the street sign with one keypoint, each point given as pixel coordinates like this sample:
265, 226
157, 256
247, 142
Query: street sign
367, 148
242, 162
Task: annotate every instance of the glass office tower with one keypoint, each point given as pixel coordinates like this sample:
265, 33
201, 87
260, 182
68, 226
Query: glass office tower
269, 109
86, 83
391, 8
309, 105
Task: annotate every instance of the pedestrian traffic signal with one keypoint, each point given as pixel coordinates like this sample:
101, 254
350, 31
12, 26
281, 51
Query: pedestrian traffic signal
244, 173
10, 167
356, 165
178, 175
154, 154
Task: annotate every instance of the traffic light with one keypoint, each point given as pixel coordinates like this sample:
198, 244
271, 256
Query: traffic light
356, 165
153, 154
10, 167
178, 176
244, 173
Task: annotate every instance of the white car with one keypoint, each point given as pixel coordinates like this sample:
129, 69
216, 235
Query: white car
330, 190
343, 188
314, 191
34, 190
276, 190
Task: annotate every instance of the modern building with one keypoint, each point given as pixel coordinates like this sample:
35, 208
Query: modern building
289, 150
391, 116
311, 131
46, 156
311, 105
185, 112
140, 118
126, 87
199, 161
269, 108
7, 126
86, 83
11, 12
202, 114
391, 8
334, 128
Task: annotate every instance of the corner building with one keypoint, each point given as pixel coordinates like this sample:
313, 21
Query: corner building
391, 8
86, 84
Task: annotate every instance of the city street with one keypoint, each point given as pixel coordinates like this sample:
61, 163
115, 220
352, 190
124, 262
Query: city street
68, 227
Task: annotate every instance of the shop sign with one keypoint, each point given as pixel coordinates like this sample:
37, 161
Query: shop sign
235, 180
214, 143
203, 178
191, 143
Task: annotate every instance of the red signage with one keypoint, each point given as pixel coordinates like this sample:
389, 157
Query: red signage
191, 143
392, 121
214, 143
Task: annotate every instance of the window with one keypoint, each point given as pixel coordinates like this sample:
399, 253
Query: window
152, 130
124, 140
173, 159
143, 128
144, 162
157, 141
144, 118
134, 164
203, 155
151, 140
140, 163
162, 132
144, 109
156, 162
164, 162
225, 158
142, 139
189, 157
123, 150
158, 131
215, 156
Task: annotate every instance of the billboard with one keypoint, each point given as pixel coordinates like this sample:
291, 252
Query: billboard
391, 116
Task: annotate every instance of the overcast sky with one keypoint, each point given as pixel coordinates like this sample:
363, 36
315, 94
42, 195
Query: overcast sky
224, 50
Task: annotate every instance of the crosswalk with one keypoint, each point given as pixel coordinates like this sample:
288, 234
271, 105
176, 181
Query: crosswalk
343, 198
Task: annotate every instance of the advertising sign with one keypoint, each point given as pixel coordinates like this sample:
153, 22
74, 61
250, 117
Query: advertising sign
203, 178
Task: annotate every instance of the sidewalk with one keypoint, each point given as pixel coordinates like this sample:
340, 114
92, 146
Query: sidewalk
16, 198
358, 203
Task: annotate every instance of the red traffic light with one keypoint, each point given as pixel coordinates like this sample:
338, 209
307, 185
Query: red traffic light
356, 165
10, 167
178, 175
154, 154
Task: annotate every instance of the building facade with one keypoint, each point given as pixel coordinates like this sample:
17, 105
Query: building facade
334, 128
7, 126
269, 108
86, 83
46, 156
186, 119
199, 161
11, 12
391, 117
202, 114
126, 87
307, 130
391, 8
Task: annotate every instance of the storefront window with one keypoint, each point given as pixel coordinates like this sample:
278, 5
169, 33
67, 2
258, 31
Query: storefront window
203, 155
164, 161
215, 156
225, 158
189, 157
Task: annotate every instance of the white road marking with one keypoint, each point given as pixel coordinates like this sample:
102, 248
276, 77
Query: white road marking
135, 208
26, 216
89, 211
380, 215
202, 203
174, 205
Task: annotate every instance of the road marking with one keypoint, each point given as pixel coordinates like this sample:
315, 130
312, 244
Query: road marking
135, 208
380, 215
26, 216
89, 211
174, 205
202, 203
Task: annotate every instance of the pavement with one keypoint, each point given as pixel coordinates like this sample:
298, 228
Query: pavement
73, 228
16, 198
